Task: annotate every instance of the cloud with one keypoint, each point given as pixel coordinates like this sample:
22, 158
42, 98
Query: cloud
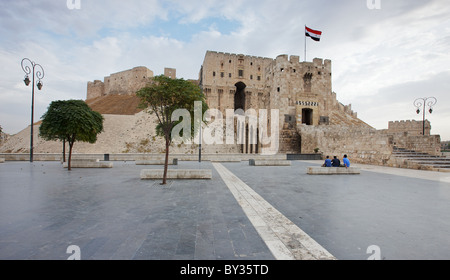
395, 102
394, 52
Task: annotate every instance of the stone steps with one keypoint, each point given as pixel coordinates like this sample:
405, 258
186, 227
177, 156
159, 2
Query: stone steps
417, 160
436, 165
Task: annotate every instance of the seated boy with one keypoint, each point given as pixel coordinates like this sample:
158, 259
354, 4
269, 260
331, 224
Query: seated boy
346, 161
327, 162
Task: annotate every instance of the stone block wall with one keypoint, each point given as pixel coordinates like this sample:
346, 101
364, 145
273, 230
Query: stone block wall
221, 73
125, 83
362, 145
412, 127
95, 89
422, 144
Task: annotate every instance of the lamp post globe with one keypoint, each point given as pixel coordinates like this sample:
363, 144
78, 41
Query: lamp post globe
36, 70
426, 101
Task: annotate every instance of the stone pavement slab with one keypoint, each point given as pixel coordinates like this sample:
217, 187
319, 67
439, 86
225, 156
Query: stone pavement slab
112, 214
406, 217
285, 240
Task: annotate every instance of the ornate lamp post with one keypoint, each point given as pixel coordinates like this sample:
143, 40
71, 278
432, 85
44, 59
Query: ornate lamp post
29, 67
427, 101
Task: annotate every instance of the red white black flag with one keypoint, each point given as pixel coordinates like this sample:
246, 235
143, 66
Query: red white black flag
313, 34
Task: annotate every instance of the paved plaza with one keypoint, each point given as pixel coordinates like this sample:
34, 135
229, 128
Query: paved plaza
244, 213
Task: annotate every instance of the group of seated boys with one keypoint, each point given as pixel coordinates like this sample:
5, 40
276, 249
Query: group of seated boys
335, 162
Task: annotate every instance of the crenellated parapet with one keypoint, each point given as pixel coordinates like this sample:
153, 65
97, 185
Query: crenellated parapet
126, 82
412, 127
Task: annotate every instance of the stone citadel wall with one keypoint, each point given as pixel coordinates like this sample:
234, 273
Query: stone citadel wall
125, 83
310, 115
411, 126
301, 91
365, 145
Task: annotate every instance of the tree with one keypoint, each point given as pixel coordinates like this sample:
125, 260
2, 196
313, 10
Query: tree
162, 97
72, 121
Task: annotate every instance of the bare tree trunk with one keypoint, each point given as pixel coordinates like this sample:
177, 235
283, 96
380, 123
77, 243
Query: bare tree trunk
71, 142
64, 150
69, 167
166, 163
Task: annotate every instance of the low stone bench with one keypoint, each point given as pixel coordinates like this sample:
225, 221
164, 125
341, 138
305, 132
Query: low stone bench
226, 159
176, 174
318, 170
85, 160
2, 160
156, 162
253, 162
89, 164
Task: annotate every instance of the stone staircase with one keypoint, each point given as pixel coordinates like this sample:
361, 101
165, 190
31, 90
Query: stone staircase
416, 160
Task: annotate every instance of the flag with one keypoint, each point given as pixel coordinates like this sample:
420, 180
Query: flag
313, 34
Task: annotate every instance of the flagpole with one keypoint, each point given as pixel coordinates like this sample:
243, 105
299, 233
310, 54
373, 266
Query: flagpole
305, 44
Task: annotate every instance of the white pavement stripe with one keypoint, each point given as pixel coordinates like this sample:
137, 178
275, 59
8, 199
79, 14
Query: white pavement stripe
284, 239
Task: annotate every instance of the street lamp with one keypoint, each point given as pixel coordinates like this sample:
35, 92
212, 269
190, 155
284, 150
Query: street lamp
29, 67
419, 102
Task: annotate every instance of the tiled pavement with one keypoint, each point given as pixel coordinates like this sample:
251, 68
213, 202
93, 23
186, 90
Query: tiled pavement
112, 214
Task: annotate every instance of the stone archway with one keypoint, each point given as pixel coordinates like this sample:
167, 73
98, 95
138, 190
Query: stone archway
239, 96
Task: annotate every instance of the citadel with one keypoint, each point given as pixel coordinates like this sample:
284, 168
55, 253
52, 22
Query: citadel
311, 120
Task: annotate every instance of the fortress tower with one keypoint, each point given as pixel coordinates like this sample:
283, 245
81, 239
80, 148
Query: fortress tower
124, 83
301, 91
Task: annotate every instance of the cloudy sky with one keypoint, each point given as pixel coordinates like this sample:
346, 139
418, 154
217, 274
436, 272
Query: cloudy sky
384, 57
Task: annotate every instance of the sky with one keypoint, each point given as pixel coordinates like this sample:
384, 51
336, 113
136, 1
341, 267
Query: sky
385, 54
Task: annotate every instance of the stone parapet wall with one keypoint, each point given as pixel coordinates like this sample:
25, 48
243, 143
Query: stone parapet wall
412, 127
362, 145
125, 82
365, 145
422, 144
95, 89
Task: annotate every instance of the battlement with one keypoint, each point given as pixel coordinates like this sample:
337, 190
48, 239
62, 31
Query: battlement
233, 55
412, 127
95, 89
324, 64
125, 82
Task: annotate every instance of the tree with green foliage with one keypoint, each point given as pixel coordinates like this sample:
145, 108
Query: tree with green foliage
162, 97
71, 120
